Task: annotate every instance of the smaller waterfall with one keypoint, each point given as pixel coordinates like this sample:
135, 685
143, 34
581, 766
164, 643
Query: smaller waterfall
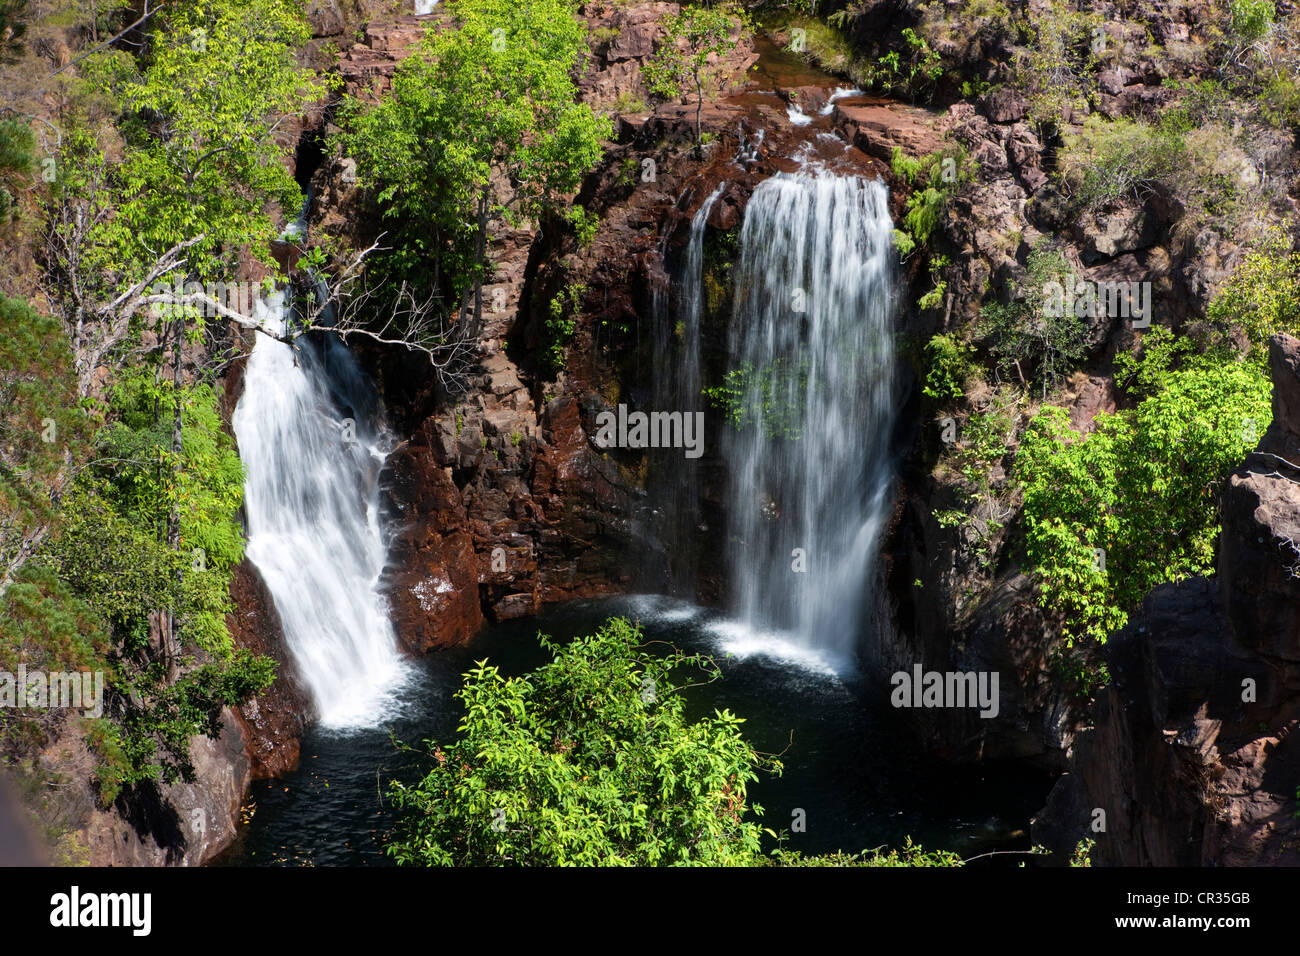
312, 439
678, 380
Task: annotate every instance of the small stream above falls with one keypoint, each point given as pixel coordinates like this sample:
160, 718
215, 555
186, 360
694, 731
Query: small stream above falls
848, 764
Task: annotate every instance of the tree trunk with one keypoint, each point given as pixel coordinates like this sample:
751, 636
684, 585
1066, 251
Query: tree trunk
171, 633
480, 254
699, 107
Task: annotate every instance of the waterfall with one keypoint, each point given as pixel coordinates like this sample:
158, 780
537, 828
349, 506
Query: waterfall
312, 439
811, 355
675, 492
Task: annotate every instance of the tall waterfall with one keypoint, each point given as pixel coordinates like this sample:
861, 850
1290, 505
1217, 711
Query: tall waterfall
812, 354
312, 439
678, 379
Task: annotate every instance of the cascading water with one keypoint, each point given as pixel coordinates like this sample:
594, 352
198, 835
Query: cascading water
677, 384
312, 440
811, 351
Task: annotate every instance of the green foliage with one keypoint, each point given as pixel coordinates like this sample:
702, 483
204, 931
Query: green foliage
16, 157
585, 225
141, 484
113, 557
948, 365
1058, 61
46, 626
561, 324
690, 55
1031, 334
910, 855
1251, 19
933, 179
43, 430
1121, 159
931, 299
1082, 855
1261, 298
155, 738
201, 157
589, 760
494, 94
1145, 372
986, 435
1143, 487
912, 73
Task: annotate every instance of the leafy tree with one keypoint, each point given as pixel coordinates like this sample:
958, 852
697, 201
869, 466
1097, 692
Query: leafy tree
589, 760
490, 97
114, 557
697, 39
199, 173
1143, 488
16, 146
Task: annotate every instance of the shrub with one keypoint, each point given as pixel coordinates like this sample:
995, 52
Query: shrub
589, 760
1261, 297
1028, 334
948, 366
1143, 487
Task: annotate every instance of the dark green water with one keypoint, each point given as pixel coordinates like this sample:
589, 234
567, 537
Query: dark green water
848, 765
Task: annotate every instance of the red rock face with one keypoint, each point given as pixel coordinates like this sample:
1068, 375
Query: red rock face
273, 722
433, 594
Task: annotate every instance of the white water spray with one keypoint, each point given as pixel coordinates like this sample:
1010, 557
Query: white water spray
312, 440
811, 340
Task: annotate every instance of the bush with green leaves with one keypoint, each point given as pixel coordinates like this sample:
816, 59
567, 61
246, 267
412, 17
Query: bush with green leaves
1250, 20
1058, 62
1142, 487
1261, 297
933, 180
1032, 336
490, 96
588, 760
112, 556
44, 431
16, 159
912, 73
948, 366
